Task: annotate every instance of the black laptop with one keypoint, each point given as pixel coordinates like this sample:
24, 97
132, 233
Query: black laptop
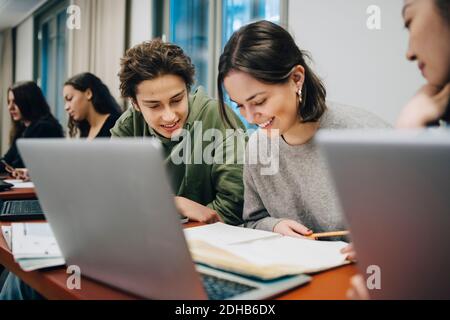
20, 210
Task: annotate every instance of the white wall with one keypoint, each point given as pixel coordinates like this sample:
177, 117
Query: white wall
1, 47
3, 132
141, 21
360, 67
6, 78
24, 51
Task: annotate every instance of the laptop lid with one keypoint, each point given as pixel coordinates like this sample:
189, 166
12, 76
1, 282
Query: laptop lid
394, 190
111, 209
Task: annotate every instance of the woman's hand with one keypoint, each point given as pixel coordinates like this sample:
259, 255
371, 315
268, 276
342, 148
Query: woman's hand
292, 228
21, 174
196, 212
350, 252
358, 289
428, 105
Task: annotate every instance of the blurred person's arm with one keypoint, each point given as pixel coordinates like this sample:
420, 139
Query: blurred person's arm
358, 289
429, 105
21, 174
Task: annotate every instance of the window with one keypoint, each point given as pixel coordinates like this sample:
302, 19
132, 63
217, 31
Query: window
50, 39
202, 27
189, 29
237, 13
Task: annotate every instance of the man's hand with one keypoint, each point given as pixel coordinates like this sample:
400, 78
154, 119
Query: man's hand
196, 212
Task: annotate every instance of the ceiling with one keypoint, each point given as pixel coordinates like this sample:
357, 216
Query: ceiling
13, 12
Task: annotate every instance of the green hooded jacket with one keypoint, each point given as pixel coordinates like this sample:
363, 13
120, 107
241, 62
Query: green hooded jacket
217, 182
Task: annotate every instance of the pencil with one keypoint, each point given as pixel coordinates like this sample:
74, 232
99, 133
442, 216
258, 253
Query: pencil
329, 234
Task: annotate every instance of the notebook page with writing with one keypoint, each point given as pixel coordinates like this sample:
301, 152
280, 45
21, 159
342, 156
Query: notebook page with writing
34, 240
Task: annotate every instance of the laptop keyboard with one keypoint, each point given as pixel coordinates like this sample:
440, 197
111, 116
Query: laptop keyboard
21, 207
221, 289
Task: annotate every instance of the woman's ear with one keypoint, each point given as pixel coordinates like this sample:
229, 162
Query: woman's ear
298, 76
89, 94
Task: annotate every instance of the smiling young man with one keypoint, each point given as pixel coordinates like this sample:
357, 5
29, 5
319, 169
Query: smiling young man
157, 78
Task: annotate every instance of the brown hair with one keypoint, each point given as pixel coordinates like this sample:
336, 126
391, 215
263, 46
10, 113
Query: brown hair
268, 53
150, 60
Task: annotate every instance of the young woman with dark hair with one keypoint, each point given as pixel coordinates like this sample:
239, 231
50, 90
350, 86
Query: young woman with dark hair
92, 109
31, 117
428, 23
267, 75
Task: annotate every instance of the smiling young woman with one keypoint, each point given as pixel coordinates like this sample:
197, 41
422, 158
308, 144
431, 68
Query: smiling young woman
266, 74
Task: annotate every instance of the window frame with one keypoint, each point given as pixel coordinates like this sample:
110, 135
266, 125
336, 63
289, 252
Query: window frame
161, 28
47, 13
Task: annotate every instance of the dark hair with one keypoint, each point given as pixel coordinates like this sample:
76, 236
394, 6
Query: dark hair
32, 105
150, 60
102, 100
268, 53
444, 9
30, 100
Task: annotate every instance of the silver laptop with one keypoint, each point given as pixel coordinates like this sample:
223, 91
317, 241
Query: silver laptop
111, 209
394, 188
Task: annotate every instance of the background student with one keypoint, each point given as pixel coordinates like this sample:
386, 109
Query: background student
266, 74
157, 78
428, 23
429, 45
92, 109
31, 117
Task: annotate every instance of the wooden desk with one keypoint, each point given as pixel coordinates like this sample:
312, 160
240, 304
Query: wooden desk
18, 194
330, 285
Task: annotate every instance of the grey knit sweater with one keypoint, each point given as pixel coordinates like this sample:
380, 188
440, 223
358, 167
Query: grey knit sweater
301, 189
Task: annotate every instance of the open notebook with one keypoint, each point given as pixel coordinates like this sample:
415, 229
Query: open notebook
261, 254
34, 246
